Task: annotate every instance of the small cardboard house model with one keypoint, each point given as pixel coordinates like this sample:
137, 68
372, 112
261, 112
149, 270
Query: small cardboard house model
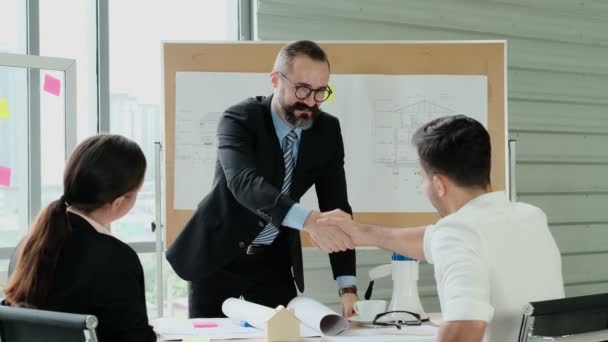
282, 326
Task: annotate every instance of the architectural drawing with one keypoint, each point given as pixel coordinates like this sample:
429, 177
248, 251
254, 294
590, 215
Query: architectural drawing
394, 127
378, 115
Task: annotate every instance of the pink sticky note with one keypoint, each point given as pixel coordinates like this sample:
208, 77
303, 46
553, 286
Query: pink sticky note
204, 325
5, 176
52, 85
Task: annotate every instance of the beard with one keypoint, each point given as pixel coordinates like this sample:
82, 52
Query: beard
304, 121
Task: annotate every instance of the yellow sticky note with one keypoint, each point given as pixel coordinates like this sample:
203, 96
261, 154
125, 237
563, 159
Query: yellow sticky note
196, 339
4, 112
331, 97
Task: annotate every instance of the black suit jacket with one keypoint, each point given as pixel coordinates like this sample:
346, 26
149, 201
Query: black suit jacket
100, 275
246, 193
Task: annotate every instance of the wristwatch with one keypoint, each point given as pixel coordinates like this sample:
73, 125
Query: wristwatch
348, 289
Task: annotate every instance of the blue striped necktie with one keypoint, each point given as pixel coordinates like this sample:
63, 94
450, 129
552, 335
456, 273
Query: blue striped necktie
270, 232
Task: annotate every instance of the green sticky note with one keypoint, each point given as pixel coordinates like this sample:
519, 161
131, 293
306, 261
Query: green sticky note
4, 112
196, 339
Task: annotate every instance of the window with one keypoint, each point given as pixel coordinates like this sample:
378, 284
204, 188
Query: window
13, 156
73, 37
176, 290
13, 133
52, 135
136, 83
12, 26
136, 104
15, 139
3, 273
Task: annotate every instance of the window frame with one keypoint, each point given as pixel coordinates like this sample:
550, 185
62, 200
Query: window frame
244, 20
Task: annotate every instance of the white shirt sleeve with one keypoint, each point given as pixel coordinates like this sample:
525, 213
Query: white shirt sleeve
461, 270
426, 243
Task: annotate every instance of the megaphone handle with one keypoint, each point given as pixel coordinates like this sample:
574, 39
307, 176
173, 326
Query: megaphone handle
368, 292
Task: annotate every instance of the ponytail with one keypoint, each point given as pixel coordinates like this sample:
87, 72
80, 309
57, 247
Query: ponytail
29, 283
100, 169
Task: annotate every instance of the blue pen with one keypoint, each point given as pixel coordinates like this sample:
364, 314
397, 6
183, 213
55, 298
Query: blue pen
246, 325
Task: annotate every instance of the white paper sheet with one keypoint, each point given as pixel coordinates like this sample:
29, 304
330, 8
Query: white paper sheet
318, 316
227, 329
407, 333
378, 115
178, 329
241, 310
200, 99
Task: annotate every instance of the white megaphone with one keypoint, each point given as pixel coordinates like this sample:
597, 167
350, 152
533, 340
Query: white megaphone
405, 284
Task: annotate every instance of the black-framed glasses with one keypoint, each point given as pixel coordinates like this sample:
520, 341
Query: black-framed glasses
397, 319
303, 92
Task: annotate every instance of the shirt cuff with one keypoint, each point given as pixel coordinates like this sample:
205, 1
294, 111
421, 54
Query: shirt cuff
345, 281
296, 216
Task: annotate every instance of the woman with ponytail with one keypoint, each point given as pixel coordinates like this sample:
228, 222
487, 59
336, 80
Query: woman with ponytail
70, 262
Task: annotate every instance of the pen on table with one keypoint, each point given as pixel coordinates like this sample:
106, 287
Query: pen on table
246, 325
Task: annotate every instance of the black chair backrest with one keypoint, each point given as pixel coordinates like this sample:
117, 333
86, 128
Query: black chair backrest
21, 324
566, 316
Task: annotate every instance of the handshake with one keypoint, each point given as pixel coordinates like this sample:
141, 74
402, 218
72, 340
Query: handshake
335, 231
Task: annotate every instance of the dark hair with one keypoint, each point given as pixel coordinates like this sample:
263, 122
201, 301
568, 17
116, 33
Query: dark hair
101, 169
458, 147
299, 48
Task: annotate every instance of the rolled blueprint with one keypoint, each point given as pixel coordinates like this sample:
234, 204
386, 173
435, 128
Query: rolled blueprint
244, 311
318, 316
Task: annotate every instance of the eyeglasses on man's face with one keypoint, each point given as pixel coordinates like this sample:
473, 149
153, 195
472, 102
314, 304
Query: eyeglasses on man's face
303, 92
397, 319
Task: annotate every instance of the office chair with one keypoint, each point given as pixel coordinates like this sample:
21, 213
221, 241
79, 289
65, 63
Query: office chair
583, 318
21, 324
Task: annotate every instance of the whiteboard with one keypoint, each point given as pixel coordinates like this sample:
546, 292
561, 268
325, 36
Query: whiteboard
378, 116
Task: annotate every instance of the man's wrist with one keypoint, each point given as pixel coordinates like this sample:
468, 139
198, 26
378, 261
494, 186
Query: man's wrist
376, 235
296, 217
311, 220
348, 289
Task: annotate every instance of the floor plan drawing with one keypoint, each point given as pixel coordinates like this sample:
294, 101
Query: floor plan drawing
378, 115
394, 127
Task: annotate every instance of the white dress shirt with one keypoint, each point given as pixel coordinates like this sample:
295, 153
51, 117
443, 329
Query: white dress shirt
492, 257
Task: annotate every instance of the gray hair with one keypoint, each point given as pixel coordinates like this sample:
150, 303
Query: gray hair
308, 48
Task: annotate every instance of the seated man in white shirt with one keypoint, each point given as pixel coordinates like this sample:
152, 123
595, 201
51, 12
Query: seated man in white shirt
490, 256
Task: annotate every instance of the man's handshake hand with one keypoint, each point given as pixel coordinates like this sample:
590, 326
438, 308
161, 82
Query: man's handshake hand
335, 231
328, 238
356, 231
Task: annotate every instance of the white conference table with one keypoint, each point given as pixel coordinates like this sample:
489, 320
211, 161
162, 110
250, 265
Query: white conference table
435, 320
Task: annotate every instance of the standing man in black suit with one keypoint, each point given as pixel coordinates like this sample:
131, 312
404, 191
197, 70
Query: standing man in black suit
244, 238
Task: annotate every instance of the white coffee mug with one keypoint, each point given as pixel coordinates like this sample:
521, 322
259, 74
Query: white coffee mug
368, 309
